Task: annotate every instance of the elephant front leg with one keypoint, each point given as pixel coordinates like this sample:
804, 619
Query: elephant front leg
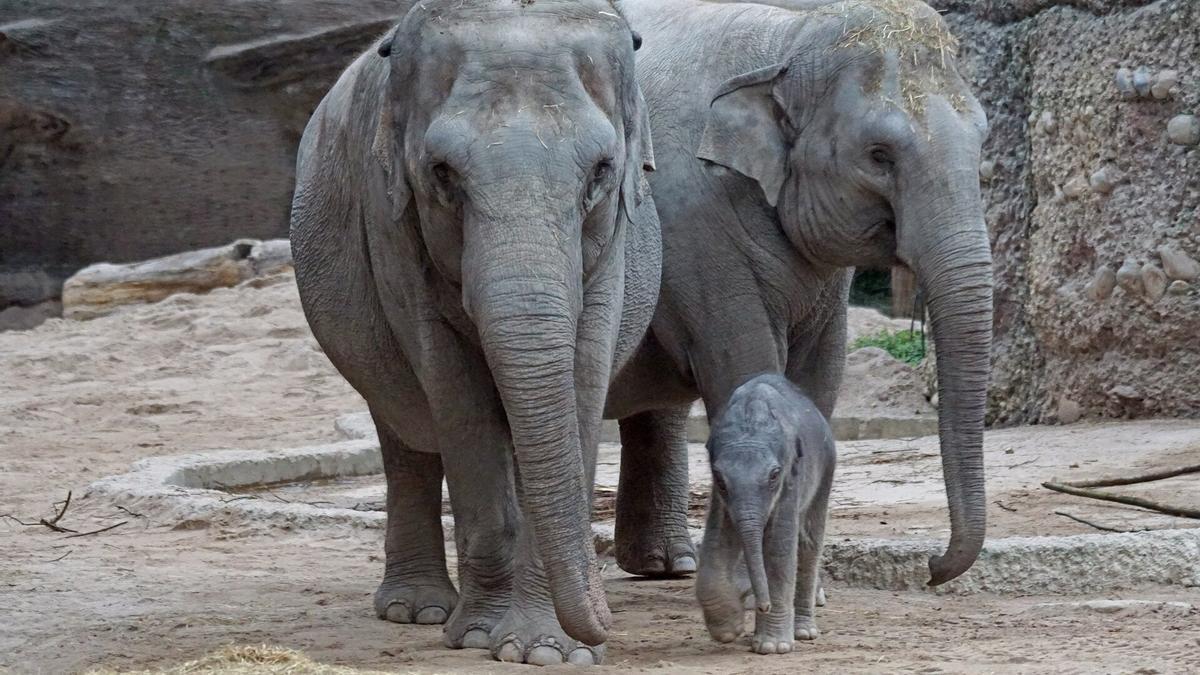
416, 587
808, 567
652, 537
717, 588
773, 630
486, 519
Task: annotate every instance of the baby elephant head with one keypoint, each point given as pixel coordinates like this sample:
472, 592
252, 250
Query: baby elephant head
753, 456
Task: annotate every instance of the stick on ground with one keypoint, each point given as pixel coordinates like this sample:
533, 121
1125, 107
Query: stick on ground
1143, 478
1089, 523
1177, 511
103, 529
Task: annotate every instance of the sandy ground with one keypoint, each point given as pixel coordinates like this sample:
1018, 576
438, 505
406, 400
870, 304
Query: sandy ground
238, 369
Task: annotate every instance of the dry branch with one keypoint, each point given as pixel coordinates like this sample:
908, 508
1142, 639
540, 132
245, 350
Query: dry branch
1143, 478
103, 529
1089, 523
53, 522
1177, 511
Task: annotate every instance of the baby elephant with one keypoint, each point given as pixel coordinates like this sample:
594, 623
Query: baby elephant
772, 459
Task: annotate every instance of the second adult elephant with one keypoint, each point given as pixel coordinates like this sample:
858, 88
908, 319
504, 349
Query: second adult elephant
795, 142
477, 255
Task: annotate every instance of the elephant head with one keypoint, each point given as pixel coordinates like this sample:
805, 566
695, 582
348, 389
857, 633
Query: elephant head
867, 142
518, 135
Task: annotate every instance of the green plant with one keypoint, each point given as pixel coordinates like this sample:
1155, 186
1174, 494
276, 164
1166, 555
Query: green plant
906, 345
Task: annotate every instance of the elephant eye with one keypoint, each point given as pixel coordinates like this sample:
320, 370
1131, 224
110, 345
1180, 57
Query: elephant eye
442, 173
603, 170
774, 475
881, 155
598, 184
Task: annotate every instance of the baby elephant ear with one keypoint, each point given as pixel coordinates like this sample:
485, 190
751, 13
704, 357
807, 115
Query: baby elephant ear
744, 130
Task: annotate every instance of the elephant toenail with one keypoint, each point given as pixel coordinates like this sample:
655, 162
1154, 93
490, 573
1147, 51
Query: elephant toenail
766, 648
509, 652
430, 615
684, 564
582, 657
784, 647
726, 637
398, 612
544, 656
476, 638
654, 565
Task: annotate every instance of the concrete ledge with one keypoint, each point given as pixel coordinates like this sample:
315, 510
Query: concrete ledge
191, 491
1083, 563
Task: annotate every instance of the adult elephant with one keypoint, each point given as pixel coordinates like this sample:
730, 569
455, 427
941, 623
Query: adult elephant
795, 142
477, 255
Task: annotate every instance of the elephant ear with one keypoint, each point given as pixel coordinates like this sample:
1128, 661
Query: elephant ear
744, 130
639, 154
388, 168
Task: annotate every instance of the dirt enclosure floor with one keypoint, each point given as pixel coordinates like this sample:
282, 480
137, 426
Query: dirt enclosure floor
238, 369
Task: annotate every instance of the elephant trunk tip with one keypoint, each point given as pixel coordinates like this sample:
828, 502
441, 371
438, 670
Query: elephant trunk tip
957, 559
585, 616
764, 605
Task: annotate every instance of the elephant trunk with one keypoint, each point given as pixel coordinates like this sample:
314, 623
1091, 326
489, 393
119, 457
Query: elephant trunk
524, 293
750, 531
953, 265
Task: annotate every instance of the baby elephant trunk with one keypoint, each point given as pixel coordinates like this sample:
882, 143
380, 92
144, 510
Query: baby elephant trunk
751, 532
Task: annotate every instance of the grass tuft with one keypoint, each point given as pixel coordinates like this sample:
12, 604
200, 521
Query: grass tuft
905, 345
248, 660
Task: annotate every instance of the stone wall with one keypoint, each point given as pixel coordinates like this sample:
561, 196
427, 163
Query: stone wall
1094, 206
130, 130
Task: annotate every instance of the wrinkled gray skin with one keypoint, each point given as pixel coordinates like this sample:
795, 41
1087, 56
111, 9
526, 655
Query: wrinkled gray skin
476, 254
772, 457
792, 145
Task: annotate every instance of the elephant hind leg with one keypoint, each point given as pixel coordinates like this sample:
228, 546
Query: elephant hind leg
652, 536
809, 592
416, 586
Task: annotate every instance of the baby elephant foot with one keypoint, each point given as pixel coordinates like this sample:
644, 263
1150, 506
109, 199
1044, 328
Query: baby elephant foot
771, 645
806, 628
424, 602
537, 639
725, 625
771, 636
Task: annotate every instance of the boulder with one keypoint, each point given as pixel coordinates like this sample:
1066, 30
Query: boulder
1178, 265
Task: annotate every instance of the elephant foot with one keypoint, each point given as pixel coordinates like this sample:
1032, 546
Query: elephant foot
806, 628
408, 601
658, 553
534, 637
772, 633
724, 617
471, 625
771, 644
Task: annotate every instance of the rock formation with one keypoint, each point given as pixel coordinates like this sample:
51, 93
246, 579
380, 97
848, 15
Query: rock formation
1091, 104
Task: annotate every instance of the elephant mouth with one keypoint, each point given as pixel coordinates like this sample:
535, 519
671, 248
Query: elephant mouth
882, 233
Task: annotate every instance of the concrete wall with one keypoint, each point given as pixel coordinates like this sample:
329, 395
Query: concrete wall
135, 129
